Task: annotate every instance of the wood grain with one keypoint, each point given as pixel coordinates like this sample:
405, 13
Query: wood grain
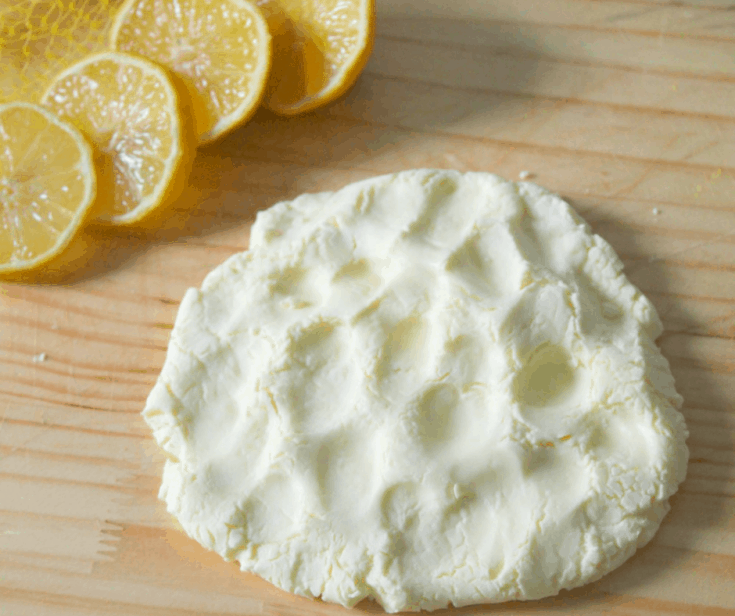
620, 106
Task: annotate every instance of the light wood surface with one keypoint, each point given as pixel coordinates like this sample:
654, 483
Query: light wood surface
620, 106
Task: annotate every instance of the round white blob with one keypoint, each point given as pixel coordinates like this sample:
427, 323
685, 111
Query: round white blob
425, 388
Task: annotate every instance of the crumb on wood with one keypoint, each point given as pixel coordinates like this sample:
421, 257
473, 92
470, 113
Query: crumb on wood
41, 357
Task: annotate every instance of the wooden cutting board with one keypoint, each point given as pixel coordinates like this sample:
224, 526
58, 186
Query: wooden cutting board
626, 108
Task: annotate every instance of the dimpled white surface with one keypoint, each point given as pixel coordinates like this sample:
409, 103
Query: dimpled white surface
426, 388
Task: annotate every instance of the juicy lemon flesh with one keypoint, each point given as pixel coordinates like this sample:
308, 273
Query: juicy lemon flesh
319, 49
129, 110
220, 49
47, 184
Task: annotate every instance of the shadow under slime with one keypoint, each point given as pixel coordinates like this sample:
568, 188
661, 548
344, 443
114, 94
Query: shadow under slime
689, 519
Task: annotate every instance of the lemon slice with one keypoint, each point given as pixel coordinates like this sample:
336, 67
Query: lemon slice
47, 186
131, 112
219, 48
319, 49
